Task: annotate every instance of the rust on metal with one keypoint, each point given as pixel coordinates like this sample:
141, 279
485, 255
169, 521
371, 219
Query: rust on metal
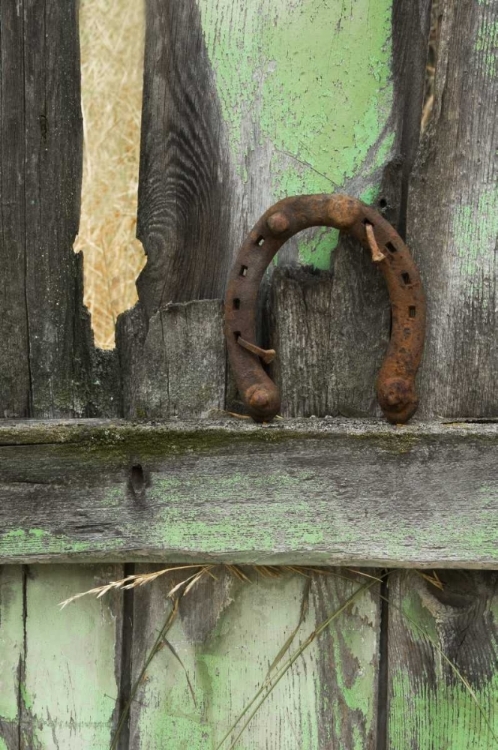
396, 380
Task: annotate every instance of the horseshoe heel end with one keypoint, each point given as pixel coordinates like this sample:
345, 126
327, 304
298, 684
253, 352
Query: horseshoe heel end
262, 401
397, 398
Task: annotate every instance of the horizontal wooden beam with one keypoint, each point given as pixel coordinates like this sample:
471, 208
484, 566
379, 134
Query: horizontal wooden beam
308, 491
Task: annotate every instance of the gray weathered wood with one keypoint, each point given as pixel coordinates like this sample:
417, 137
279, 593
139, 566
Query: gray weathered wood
49, 367
452, 229
310, 491
452, 218
60, 671
175, 365
183, 217
11, 653
430, 705
321, 367
14, 346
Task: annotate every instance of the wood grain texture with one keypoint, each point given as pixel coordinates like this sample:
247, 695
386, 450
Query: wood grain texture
331, 330
183, 214
322, 368
60, 670
14, 344
455, 236
310, 491
11, 654
72, 666
227, 634
452, 229
49, 366
174, 366
431, 707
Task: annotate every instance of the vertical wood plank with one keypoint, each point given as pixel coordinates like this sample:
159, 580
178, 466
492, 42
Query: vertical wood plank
14, 346
454, 236
49, 365
452, 229
430, 706
331, 329
72, 660
184, 203
174, 366
227, 635
11, 655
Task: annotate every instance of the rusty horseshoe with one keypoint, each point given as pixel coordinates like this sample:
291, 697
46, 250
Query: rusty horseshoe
396, 380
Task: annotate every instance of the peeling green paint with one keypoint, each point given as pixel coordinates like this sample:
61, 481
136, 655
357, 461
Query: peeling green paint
11, 640
487, 45
446, 718
70, 687
475, 228
313, 80
446, 715
228, 664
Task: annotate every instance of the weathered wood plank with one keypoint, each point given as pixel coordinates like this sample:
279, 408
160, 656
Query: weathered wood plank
11, 654
72, 660
331, 329
454, 237
452, 229
184, 209
309, 491
49, 365
226, 629
175, 365
14, 346
430, 706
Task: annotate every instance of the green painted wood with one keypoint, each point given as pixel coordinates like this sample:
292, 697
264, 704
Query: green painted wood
11, 654
72, 660
306, 97
310, 491
227, 634
430, 706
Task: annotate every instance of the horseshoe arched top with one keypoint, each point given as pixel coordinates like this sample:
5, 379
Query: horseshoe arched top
396, 380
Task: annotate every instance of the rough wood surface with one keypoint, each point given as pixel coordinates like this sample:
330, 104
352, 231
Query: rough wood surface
331, 330
310, 491
455, 236
453, 231
14, 344
60, 670
321, 367
49, 367
184, 207
11, 654
174, 366
430, 705
227, 628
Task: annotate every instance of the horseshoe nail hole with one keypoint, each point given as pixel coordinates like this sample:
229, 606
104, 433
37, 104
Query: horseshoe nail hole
382, 203
236, 334
137, 478
412, 312
389, 246
236, 304
406, 277
243, 271
260, 241
367, 223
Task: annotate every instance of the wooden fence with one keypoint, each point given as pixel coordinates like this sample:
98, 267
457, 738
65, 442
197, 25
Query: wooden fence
113, 463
